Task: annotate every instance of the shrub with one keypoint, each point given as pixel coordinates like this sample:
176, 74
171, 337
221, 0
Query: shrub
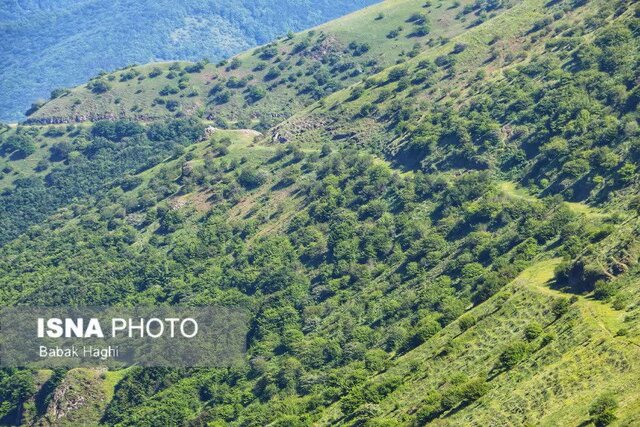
195, 68
172, 105
250, 178
367, 109
548, 338
560, 307
602, 410
54, 132
425, 329
272, 74
421, 31
445, 61
459, 48
359, 49
466, 322
255, 94
21, 144
268, 52
431, 408
397, 73
235, 64
575, 168
376, 359
42, 165
532, 331
169, 90
57, 93
223, 97
620, 301
129, 75
236, 83
474, 390
514, 354
34, 107
290, 176
98, 86
155, 72
356, 93
604, 290
418, 18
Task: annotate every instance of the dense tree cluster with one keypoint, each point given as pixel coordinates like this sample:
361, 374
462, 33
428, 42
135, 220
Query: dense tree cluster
105, 152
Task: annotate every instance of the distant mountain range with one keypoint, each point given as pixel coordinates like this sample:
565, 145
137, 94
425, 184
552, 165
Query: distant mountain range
54, 43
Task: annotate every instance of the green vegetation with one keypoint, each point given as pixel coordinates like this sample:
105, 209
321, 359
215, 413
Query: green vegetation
52, 44
449, 235
259, 88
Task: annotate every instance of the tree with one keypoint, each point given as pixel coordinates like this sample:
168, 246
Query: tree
627, 173
15, 389
560, 307
60, 150
251, 178
604, 289
155, 72
35, 107
255, 94
467, 321
98, 86
431, 408
425, 329
575, 168
376, 360
532, 331
514, 354
602, 410
272, 74
473, 390
57, 93
172, 105
397, 73
20, 143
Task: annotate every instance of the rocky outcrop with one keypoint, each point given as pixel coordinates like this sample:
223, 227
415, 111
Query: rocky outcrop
77, 400
53, 120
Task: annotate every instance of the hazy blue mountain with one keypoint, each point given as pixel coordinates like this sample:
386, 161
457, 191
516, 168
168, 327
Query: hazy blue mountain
55, 43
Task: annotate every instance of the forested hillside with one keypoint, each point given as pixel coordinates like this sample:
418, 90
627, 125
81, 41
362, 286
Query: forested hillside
54, 44
430, 210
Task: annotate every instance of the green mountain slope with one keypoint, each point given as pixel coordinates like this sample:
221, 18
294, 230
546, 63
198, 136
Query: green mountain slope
450, 239
51, 44
261, 87
566, 359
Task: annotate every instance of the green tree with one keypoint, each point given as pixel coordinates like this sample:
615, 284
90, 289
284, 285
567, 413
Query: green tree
514, 353
602, 410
